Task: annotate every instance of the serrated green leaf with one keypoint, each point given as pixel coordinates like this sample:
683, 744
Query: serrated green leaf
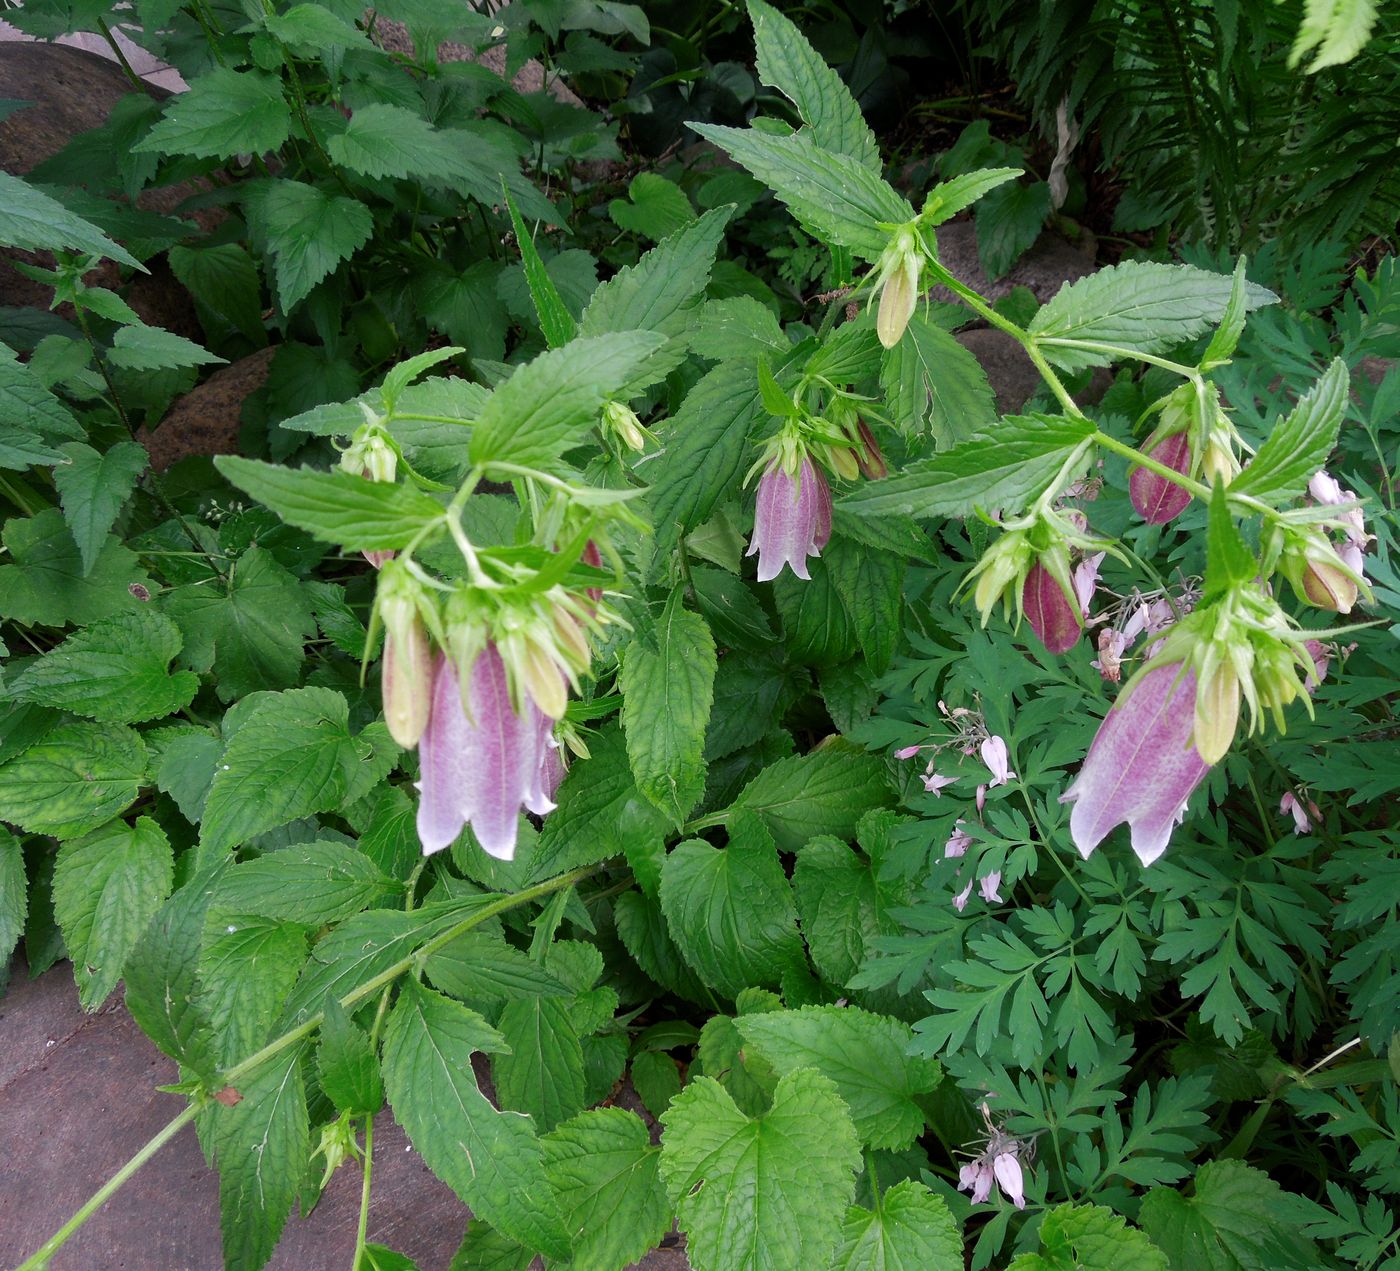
643, 930
910, 1230
540, 1071
764, 1193
481, 967
1009, 219
787, 62
1005, 467
308, 230
72, 780
1090, 1238
491, 1159
115, 671
655, 208
46, 583
601, 812
292, 756
337, 507
261, 1146
31, 220
668, 690
106, 888
310, 883
92, 487
604, 1172
1299, 445
656, 1080
1238, 1219
1141, 306
21, 449
382, 140
865, 1055
835, 197
312, 28
346, 1064
14, 894
1229, 561
705, 451
948, 198
652, 294
160, 976
737, 327
932, 383
250, 627
546, 404
223, 280
730, 910
1337, 29
360, 948
246, 970
870, 585
556, 322
223, 113
151, 349
24, 397
843, 907
824, 792
1227, 334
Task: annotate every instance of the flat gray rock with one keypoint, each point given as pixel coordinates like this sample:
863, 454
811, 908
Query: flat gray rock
78, 1097
1051, 262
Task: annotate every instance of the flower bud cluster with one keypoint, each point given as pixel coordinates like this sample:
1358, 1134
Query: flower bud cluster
1194, 436
1320, 549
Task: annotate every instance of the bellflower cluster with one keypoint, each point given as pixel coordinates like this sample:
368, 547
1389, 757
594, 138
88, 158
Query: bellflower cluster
480, 681
1002, 1162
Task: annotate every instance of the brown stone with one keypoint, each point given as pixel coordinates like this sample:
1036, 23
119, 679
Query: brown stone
1051, 262
78, 1097
206, 420
73, 91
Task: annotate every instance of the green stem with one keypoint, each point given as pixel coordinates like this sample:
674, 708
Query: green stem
275, 1047
363, 1229
106, 32
100, 1197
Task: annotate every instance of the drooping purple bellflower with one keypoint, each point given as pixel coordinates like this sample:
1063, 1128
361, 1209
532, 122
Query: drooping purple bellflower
1142, 766
792, 518
479, 768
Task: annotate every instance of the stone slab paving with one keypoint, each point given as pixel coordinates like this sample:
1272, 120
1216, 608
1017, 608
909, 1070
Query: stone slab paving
78, 1097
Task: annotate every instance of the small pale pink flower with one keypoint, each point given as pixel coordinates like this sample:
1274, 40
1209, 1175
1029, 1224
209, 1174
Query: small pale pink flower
907, 752
1303, 812
988, 886
981, 797
377, 559
1326, 489
994, 755
960, 900
1086, 580
792, 519
1007, 1169
1157, 499
934, 782
976, 1177
1322, 659
1142, 766
958, 841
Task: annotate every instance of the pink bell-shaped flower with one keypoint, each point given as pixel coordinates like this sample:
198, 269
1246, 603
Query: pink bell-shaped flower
480, 768
1142, 766
792, 519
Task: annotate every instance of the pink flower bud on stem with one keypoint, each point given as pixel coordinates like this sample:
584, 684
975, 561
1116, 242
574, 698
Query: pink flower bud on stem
1053, 618
1156, 498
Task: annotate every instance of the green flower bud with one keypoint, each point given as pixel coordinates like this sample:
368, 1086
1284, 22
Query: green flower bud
900, 265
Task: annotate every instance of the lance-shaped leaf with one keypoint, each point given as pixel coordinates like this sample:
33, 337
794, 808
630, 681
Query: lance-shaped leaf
833, 196
547, 404
667, 683
1005, 467
1229, 561
1138, 306
948, 198
1299, 445
788, 62
31, 220
337, 507
556, 322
